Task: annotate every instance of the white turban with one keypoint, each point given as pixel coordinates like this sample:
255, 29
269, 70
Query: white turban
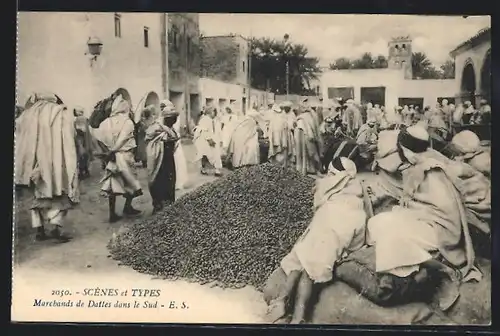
348, 165
466, 142
276, 108
119, 105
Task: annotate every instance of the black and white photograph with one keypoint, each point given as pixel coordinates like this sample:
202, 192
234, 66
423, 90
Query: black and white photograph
279, 169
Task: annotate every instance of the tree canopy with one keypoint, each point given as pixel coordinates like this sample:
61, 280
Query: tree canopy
422, 67
268, 68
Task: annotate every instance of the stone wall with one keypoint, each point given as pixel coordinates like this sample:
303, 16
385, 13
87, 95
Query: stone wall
52, 56
219, 58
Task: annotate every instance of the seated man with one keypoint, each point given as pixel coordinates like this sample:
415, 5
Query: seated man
325, 241
429, 228
467, 148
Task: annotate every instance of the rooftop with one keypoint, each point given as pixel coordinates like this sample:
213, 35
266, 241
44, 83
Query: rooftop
226, 36
483, 35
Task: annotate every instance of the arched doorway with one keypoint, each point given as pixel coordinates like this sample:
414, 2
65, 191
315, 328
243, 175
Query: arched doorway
486, 77
468, 85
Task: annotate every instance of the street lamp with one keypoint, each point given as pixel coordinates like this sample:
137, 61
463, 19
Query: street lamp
285, 38
94, 49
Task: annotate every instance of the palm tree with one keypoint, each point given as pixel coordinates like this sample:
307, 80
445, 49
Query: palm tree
380, 62
448, 69
269, 59
341, 63
364, 62
420, 64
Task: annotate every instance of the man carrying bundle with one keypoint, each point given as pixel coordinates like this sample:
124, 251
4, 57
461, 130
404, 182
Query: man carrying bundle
280, 148
315, 254
116, 134
46, 160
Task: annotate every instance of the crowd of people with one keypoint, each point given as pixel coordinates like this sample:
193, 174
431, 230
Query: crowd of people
439, 207
442, 194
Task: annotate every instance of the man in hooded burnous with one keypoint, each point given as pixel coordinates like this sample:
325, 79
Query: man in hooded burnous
308, 142
280, 147
83, 142
161, 144
46, 161
428, 228
116, 134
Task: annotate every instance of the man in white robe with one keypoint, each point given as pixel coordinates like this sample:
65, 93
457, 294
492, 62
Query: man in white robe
46, 162
279, 138
208, 141
227, 122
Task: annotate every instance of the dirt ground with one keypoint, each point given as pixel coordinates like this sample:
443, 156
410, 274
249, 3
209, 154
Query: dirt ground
84, 262
87, 255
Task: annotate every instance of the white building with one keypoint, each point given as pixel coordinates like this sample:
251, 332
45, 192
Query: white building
221, 94
389, 87
473, 67
53, 55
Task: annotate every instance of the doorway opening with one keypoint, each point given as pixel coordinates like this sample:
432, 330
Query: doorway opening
194, 113
341, 92
411, 101
243, 105
209, 102
222, 104
468, 85
374, 95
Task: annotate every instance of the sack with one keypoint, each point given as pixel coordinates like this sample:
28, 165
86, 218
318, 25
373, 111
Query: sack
102, 110
358, 271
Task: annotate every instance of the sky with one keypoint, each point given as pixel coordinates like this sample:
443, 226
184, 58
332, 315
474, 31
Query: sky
330, 36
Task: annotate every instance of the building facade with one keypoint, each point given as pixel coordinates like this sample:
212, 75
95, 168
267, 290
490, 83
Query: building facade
400, 54
388, 87
53, 55
473, 68
184, 60
226, 59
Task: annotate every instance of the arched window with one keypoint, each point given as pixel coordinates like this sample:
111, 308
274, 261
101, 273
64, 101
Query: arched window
397, 47
403, 46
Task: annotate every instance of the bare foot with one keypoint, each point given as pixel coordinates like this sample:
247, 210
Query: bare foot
276, 309
298, 321
283, 320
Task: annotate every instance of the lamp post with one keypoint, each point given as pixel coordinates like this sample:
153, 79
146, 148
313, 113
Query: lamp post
94, 46
287, 72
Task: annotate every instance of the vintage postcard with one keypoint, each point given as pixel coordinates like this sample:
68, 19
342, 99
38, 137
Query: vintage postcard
252, 168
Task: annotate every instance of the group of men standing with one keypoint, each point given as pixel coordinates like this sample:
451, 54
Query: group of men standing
292, 138
54, 146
